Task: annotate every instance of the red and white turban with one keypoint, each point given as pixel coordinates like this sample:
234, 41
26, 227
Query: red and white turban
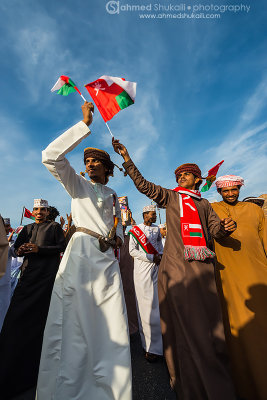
229, 180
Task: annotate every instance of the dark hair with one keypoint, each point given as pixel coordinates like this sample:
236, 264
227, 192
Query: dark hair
53, 213
197, 185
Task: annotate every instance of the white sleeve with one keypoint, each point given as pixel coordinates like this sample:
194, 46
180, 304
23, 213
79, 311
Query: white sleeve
139, 254
53, 157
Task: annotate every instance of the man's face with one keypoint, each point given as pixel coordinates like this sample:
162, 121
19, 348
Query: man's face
230, 194
95, 170
187, 180
40, 214
150, 217
163, 231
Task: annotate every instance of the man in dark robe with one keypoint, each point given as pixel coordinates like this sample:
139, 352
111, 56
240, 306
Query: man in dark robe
191, 321
21, 337
126, 264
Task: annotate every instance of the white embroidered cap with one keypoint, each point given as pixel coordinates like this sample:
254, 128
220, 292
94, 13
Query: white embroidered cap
6, 221
40, 203
162, 226
149, 208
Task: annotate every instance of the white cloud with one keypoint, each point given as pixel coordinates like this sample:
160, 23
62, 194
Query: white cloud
245, 148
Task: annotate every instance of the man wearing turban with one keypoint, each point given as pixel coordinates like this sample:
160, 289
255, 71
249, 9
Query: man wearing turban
242, 278
191, 321
146, 267
86, 352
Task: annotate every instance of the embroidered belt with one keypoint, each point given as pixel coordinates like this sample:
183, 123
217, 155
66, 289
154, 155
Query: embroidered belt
104, 242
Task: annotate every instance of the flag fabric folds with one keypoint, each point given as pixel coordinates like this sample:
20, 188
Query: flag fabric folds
111, 94
28, 214
65, 86
211, 177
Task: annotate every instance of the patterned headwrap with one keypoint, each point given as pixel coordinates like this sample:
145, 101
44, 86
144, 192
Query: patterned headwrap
40, 203
193, 168
149, 208
100, 155
228, 181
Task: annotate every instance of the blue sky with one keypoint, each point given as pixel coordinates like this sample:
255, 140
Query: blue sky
201, 93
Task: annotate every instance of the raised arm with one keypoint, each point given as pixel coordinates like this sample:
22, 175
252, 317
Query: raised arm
53, 157
155, 192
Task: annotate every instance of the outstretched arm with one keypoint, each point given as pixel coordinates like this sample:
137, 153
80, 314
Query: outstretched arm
53, 157
155, 192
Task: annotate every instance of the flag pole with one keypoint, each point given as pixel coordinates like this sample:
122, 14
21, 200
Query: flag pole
109, 130
83, 97
22, 215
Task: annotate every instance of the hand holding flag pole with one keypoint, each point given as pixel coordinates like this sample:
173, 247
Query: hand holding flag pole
110, 94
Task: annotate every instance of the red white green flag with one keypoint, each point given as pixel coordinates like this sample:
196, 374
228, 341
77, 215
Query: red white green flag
65, 86
28, 214
111, 95
192, 230
211, 177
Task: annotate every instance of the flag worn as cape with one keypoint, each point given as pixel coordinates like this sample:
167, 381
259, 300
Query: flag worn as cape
111, 94
65, 86
211, 176
28, 214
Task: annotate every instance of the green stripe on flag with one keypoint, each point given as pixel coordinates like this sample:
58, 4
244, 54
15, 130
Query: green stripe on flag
66, 89
124, 100
197, 234
71, 83
206, 186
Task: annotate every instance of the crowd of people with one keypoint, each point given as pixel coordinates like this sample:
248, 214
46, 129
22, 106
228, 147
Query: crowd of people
195, 288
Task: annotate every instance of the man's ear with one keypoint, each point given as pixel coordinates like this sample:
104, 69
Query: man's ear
197, 180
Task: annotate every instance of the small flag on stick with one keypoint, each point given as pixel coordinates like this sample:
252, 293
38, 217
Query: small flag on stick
28, 214
211, 177
65, 86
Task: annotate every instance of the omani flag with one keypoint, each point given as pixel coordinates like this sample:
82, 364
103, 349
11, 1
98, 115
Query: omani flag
65, 86
211, 177
111, 94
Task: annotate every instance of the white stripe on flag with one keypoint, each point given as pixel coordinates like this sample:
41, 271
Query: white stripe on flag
129, 87
195, 226
59, 83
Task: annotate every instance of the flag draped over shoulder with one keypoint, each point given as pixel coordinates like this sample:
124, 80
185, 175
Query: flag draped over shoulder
111, 94
65, 86
211, 176
28, 214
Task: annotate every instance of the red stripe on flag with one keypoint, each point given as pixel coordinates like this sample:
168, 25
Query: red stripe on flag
104, 97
